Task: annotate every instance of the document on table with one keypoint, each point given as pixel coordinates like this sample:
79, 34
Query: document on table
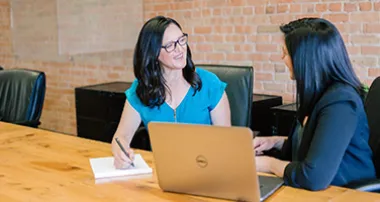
103, 167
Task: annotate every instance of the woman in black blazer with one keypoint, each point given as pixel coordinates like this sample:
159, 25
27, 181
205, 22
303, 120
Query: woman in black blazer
329, 143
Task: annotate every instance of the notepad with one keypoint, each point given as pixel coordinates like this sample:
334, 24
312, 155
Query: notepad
104, 168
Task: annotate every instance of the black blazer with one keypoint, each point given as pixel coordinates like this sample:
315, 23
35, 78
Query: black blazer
334, 149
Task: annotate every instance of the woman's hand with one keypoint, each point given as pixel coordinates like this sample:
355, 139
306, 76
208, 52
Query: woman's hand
261, 144
263, 164
121, 160
266, 164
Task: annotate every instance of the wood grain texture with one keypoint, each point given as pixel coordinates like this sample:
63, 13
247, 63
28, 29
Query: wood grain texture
39, 165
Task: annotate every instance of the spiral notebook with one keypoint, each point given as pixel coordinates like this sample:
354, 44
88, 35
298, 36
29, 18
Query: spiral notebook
103, 168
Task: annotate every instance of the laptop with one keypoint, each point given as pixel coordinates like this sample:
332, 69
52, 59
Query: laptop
211, 161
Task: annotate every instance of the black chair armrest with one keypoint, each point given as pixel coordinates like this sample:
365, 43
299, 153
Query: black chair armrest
33, 124
372, 185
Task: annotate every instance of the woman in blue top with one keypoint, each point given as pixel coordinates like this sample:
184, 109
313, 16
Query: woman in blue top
168, 87
329, 145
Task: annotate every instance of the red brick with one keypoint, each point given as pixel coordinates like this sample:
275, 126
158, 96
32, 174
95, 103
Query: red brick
235, 38
237, 11
244, 48
217, 21
364, 61
276, 57
259, 76
259, 9
236, 56
248, 11
217, 11
223, 29
364, 39
205, 13
372, 28
281, 18
182, 5
308, 8
295, 8
202, 30
352, 28
198, 56
236, 3
374, 72
163, 7
278, 39
197, 38
270, 9
268, 29
309, 15
204, 47
288, 98
279, 68
214, 38
244, 29
268, 67
215, 3
350, 7
259, 57
370, 50
266, 47
237, 20
223, 47
335, 7
257, 19
353, 50
258, 85
338, 17
215, 56
274, 87
283, 8
282, 77
377, 6
365, 6
365, 17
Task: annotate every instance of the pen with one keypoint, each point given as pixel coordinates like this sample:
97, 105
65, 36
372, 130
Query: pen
122, 149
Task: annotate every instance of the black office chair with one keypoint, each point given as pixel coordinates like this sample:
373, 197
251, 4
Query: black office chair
22, 94
1, 68
372, 107
239, 90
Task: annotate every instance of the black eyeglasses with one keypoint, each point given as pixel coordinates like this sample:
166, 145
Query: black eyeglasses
171, 46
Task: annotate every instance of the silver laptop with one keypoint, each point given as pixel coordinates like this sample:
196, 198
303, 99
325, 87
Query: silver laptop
210, 161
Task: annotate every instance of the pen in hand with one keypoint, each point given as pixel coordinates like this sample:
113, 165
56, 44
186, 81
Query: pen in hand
122, 149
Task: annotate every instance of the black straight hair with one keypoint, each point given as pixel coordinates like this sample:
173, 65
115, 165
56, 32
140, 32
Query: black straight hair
319, 59
151, 88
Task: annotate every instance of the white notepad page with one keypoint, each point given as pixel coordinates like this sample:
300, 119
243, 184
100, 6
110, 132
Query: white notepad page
104, 168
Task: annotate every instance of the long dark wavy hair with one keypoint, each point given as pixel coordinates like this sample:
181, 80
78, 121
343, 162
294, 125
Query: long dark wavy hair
319, 59
151, 83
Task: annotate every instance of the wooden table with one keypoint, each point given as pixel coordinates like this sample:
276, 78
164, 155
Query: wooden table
38, 165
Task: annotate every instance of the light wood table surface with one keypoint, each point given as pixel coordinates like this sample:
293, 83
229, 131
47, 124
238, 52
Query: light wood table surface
39, 165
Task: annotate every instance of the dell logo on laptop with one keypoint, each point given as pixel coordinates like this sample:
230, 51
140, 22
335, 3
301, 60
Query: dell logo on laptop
201, 161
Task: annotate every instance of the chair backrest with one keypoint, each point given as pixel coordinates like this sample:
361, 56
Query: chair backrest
22, 94
239, 90
372, 107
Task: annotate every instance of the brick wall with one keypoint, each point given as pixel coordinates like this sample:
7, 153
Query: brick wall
241, 32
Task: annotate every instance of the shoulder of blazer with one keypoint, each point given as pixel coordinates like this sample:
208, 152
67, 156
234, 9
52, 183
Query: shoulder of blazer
339, 92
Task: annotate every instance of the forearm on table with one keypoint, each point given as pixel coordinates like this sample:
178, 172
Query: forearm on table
277, 166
